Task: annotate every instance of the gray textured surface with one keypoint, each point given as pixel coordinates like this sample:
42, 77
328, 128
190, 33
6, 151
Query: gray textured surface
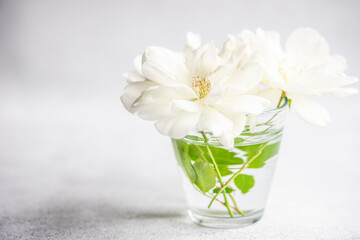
75, 165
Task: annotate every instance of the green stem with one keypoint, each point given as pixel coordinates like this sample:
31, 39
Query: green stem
236, 206
217, 173
214, 163
283, 95
206, 139
211, 196
228, 205
238, 172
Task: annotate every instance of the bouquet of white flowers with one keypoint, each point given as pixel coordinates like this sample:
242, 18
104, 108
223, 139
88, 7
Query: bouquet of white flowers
224, 109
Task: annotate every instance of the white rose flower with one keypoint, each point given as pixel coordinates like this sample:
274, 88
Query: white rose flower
304, 68
199, 89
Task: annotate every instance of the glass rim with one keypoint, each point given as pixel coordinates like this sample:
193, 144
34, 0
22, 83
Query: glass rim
282, 107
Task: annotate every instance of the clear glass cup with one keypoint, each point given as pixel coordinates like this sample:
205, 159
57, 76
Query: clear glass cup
228, 188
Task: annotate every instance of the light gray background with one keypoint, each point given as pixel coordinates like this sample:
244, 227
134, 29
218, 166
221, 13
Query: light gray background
75, 165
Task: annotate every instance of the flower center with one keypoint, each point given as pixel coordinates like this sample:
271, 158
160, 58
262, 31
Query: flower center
201, 86
283, 74
288, 73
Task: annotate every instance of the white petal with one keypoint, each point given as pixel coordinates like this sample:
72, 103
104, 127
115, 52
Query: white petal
132, 92
239, 121
344, 92
193, 40
249, 104
271, 94
214, 121
184, 105
152, 110
232, 48
138, 63
336, 64
168, 93
215, 95
222, 73
270, 45
227, 140
164, 66
319, 79
203, 60
265, 44
253, 91
306, 47
247, 76
177, 126
156, 101
296, 88
309, 110
133, 76
272, 77
249, 38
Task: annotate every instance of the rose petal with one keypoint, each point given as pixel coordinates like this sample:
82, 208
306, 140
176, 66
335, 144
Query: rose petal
152, 110
239, 121
164, 66
272, 44
132, 92
168, 93
344, 92
309, 110
222, 73
232, 48
227, 140
203, 60
193, 40
177, 126
319, 79
271, 94
138, 63
133, 76
336, 64
247, 76
306, 47
212, 120
249, 104
184, 105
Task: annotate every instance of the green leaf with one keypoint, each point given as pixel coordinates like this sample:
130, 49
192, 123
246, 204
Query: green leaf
244, 182
238, 140
224, 170
225, 157
268, 152
194, 152
222, 156
181, 152
205, 176
227, 190
216, 190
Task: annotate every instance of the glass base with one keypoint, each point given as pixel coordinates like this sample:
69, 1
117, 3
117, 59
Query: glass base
224, 222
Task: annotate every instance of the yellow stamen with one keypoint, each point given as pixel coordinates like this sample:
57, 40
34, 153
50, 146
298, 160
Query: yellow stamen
283, 74
201, 85
289, 73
